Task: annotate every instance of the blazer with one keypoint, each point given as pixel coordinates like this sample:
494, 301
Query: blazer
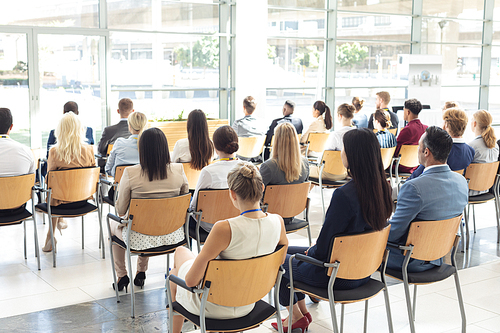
248, 126
291, 119
110, 134
438, 194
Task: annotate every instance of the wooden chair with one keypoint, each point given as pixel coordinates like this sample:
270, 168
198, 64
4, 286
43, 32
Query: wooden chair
152, 217
192, 175
331, 162
72, 185
316, 142
408, 157
427, 241
387, 156
212, 206
482, 177
394, 131
352, 257
234, 283
118, 176
16, 192
289, 201
252, 146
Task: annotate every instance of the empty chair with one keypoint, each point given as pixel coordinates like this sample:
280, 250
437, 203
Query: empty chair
316, 143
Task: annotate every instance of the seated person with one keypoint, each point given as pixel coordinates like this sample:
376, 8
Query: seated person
322, 121
69, 153
197, 149
360, 119
154, 177
361, 205
215, 175
382, 101
450, 104
437, 194
248, 125
461, 154
249, 235
412, 132
382, 121
484, 144
119, 130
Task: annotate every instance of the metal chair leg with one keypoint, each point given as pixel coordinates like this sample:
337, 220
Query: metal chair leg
460, 302
388, 310
365, 323
25, 251
467, 239
497, 211
462, 233
474, 217
342, 318
83, 234
132, 284
408, 305
35, 232
414, 300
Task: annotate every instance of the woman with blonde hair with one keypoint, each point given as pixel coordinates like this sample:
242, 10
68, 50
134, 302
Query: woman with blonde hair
69, 152
485, 146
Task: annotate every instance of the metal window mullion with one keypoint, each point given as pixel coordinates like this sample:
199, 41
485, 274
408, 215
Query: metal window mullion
224, 18
34, 89
232, 67
416, 27
331, 48
489, 6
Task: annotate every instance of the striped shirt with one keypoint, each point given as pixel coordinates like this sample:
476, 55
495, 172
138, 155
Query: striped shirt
386, 139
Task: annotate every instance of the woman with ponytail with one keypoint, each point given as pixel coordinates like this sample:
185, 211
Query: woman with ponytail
485, 146
322, 123
360, 120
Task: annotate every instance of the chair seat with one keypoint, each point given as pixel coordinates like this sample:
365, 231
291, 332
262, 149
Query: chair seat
481, 198
295, 225
57, 211
15, 219
109, 201
192, 233
261, 312
366, 291
325, 182
436, 274
152, 251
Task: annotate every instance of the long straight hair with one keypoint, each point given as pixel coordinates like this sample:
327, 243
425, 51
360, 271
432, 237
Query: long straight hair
483, 119
200, 146
286, 151
324, 110
70, 138
153, 154
362, 150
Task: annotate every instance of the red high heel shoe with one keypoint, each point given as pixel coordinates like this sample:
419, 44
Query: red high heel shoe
307, 315
303, 324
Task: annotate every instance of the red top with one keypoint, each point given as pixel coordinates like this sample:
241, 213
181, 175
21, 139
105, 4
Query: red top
409, 135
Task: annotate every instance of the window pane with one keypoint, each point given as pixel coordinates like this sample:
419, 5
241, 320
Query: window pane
51, 13
292, 23
163, 16
371, 64
14, 90
451, 31
495, 66
303, 98
377, 27
295, 63
496, 11
467, 97
496, 32
381, 6
298, 3
454, 8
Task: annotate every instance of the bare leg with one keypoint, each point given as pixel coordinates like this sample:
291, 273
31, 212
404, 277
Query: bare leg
181, 255
302, 307
297, 314
48, 243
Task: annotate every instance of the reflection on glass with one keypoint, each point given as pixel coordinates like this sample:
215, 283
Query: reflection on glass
451, 31
293, 23
381, 6
298, 3
14, 90
454, 8
495, 66
303, 98
377, 27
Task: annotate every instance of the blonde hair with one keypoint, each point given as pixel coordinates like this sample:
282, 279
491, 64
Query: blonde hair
385, 96
286, 151
245, 180
483, 119
137, 121
70, 138
456, 120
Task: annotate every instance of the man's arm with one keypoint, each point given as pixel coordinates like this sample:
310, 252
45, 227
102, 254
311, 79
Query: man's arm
409, 205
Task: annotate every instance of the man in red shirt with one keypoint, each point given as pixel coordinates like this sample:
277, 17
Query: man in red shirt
412, 132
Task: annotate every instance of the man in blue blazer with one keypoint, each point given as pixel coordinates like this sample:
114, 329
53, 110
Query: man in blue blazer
437, 194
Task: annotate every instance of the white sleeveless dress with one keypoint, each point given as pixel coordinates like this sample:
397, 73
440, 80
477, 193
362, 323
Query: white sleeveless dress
249, 238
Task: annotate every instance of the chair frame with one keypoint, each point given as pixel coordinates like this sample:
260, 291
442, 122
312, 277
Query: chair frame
316, 140
397, 160
119, 169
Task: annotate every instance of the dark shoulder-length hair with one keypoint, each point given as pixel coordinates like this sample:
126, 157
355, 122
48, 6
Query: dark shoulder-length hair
362, 150
153, 154
200, 146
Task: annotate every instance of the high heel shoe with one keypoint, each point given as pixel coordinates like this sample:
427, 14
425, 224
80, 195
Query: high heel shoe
139, 279
123, 282
307, 315
303, 324
48, 245
61, 224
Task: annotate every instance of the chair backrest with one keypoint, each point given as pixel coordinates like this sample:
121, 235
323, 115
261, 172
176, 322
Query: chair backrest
409, 156
481, 175
387, 154
242, 282
156, 217
251, 146
73, 184
393, 130
110, 147
37, 153
286, 200
333, 162
317, 141
215, 205
119, 172
192, 175
359, 255
15, 191
432, 239
461, 171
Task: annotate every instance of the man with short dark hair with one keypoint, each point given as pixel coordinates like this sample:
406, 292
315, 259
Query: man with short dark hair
437, 194
17, 159
382, 102
120, 130
248, 125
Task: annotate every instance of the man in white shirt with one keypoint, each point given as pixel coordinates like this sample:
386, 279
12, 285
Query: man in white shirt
16, 159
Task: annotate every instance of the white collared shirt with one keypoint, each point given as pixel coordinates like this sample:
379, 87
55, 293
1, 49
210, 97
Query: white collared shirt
433, 166
16, 159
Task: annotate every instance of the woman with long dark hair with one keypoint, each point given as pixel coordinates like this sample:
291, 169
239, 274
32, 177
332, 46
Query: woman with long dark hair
154, 177
197, 148
322, 120
363, 204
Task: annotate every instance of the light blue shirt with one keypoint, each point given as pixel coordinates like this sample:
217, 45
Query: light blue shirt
124, 152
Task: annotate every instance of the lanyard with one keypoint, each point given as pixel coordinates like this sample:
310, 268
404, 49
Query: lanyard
227, 158
251, 210
4, 136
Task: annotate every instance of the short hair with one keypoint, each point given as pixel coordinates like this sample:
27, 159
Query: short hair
385, 96
125, 106
250, 104
5, 120
71, 106
383, 118
346, 110
286, 151
154, 156
226, 140
456, 121
245, 180
291, 104
413, 105
439, 143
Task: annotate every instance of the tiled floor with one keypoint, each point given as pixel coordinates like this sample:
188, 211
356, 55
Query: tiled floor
77, 295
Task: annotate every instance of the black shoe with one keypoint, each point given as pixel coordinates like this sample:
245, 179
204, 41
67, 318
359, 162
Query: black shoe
123, 282
139, 279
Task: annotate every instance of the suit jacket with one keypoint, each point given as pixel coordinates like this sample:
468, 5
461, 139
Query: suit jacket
438, 194
291, 119
110, 134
